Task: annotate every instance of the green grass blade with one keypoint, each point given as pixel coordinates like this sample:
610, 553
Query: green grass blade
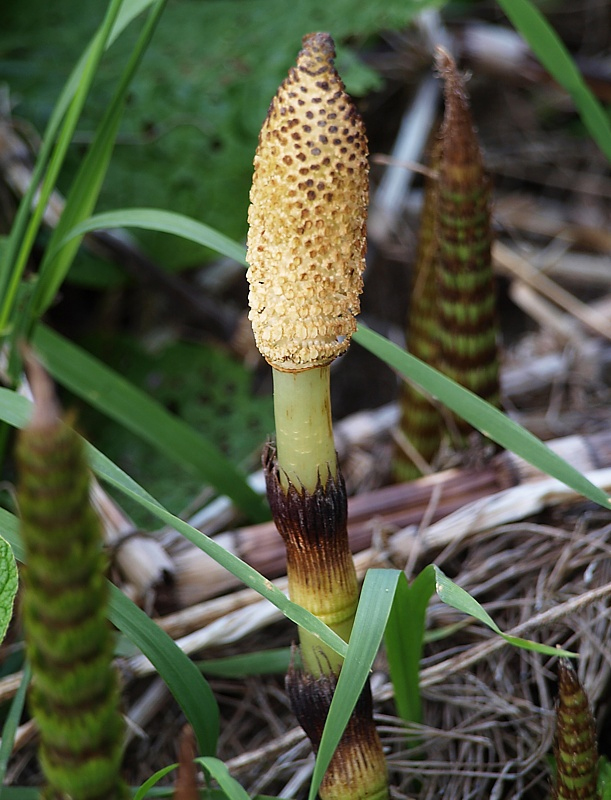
179, 673
14, 273
100, 386
184, 680
453, 595
372, 615
487, 419
220, 773
266, 662
154, 219
404, 638
148, 784
15, 410
128, 11
86, 186
11, 722
551, 52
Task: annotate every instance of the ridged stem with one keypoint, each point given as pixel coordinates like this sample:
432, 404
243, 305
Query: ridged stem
304, 435
74, 695
420, 420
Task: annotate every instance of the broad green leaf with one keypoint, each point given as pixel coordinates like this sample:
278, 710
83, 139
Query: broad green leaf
12, 722
453, 595
404, 638
154, 219
86, 185
484, 417
117, 398
220, 773
551, 52
8, 585
372, 615
604, 778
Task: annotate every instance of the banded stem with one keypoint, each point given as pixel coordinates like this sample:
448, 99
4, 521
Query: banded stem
306, 247
74, 696
420, 420
575, 747
466, 297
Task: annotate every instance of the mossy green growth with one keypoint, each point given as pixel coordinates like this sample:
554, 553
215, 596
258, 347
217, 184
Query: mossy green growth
74, 695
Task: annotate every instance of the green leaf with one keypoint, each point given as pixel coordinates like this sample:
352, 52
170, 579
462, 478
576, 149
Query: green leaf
153, 219
8, 585
604, 778
20, 245
144, 789
179, 673
117, 398
86, 186
184, 680
13, 409
484, 417
220, 773
404, 638
12, 722
266, 662
372, 614
551, 52
453, 595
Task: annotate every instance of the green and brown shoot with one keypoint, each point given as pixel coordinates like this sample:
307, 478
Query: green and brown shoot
74, 696
306, 248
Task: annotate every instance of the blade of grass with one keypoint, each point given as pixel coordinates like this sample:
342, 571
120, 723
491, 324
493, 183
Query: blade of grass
455, 596
191, 690
86, 186
12, 722
128, 11
404, 638
267, 662
14, 272
148, 784
551, 52
100, 386
15, 410
372, 614
184, 680
154, 219
220, 773
487, 419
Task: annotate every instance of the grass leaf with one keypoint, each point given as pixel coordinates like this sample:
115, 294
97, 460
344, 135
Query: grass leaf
11, 722
487, 419
154, 219
220, 773
14, 410
372, 615
86, 185
453, 595
551, 52
148, 784
112, 394
182, 677
404, 638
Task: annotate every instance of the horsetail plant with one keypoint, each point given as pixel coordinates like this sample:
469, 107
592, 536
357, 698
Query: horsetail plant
575, 747
466, 299
306, 248
420, 420
74, 696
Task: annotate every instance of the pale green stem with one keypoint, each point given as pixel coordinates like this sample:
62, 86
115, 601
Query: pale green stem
304, 435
